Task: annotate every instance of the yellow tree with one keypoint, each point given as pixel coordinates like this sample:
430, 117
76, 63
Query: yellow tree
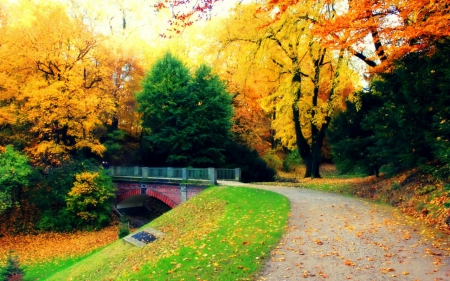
310, 80
59, 78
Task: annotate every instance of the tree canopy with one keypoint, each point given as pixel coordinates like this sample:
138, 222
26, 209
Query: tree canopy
188, 116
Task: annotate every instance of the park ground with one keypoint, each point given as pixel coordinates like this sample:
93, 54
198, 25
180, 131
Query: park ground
329, 235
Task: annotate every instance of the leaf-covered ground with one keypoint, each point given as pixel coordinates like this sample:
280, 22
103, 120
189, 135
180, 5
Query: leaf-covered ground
33, 249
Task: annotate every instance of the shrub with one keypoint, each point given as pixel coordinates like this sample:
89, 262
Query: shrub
253, 167
124, 227
291, 160
12, 270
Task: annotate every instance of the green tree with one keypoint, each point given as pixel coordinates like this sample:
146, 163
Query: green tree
189, 117
14, 173
351, 141
409, 127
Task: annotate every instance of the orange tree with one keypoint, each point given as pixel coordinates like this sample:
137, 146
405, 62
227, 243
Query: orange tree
377, 32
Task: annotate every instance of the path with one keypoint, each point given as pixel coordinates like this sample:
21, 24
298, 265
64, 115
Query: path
333, 237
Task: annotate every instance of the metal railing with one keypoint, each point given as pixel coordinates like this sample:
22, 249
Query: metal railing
209, 174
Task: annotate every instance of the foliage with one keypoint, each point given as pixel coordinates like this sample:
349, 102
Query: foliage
291, 160
90, 198
413, 26
124, 227
113, 145
12, 269
50, 193
304, 82
351, 141
189, 117
61, 82
202, 240
14, 175
253, 167
402, 122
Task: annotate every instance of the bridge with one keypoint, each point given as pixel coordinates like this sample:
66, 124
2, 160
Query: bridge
170, 185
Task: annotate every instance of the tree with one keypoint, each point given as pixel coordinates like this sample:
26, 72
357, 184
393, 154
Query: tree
309, 80
376, 32
189, 118
90, 198
351, 143
403, 120
14, 173
61, 83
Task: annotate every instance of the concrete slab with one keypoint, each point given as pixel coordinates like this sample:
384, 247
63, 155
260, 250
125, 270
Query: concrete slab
143, 237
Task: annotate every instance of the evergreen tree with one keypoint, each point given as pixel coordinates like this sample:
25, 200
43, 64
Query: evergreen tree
189, 118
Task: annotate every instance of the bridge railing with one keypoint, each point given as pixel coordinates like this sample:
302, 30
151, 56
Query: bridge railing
229, 174
206, 174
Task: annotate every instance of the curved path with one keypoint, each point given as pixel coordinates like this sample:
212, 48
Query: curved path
333, 237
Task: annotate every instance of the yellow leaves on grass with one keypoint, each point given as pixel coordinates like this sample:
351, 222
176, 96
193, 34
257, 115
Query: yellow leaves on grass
49, 246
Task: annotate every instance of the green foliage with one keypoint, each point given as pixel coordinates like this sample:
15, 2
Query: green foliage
12, 269
409, 128
51, 193
292, 159
351, 141
113, 145
253, 168
14, 175
426, 189
395, 185
124, 227
189, 117
273, 160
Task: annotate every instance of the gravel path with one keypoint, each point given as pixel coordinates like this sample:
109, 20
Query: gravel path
333, 237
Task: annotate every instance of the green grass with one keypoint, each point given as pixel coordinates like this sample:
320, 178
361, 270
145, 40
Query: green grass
221, 234
42, 271
341, 188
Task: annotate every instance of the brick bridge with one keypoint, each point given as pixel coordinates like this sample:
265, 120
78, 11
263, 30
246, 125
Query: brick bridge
171, 186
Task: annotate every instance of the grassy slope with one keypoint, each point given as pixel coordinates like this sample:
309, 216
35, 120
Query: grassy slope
221, 234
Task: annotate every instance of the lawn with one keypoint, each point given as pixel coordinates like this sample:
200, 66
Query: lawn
224, 233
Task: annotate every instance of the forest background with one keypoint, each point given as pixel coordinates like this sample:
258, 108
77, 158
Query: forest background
364, 85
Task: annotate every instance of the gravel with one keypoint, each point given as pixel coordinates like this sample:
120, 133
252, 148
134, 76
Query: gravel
333, 237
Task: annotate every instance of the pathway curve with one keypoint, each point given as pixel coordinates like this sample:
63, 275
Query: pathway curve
333, 237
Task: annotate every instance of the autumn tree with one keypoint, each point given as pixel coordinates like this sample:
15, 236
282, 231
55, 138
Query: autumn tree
376, 32
189, 116
311, 80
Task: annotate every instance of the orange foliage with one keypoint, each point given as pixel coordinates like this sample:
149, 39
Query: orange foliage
49, 246
393, 28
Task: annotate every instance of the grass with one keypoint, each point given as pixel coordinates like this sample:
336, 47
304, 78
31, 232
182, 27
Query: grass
221, 234
40, 271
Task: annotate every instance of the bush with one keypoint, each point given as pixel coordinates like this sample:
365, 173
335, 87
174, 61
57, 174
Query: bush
12, 270
89, 198
253, 167
291, 160
124, 227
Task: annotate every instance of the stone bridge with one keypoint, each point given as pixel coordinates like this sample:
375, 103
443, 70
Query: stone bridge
171, 186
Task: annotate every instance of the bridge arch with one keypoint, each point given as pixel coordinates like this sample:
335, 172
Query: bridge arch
149, 192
